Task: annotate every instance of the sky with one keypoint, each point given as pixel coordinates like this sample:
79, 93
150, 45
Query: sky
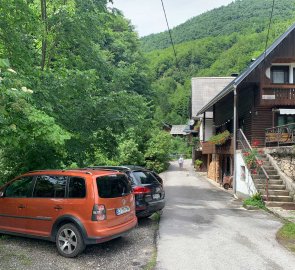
147, 15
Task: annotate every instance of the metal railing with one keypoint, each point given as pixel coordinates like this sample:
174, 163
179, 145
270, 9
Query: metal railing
245, 146
284, 134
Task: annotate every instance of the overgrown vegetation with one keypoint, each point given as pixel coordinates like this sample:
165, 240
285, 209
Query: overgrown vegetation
286, 236
255, 200
220, 138
74, 89
217, 43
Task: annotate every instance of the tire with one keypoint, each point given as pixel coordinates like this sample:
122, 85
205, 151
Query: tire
69, 241
226, 186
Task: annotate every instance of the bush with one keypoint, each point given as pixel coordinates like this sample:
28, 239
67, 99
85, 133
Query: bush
157, 153
180, 146
198, 163
255, 200
220, 138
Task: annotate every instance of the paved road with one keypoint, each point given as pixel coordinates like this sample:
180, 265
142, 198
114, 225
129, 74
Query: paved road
203, 227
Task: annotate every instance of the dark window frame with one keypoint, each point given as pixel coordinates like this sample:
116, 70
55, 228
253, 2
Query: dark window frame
31, 188
68, 188
50, 175
282, 68
110, 194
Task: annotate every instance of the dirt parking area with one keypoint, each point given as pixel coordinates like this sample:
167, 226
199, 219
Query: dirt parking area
134, 251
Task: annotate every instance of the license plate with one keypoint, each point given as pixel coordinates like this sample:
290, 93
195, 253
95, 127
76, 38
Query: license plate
122, 210
156, 196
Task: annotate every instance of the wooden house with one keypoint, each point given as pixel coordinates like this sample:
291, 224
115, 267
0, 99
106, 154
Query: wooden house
260, 103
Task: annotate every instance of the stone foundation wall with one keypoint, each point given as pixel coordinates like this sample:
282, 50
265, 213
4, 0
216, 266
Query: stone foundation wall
214, 168
285, 159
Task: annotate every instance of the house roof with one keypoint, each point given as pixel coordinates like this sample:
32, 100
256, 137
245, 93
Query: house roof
178, 130
235, 83
204, 89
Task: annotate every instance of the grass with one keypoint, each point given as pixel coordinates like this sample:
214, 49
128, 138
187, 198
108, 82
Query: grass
255, 200
153, 260
286, 236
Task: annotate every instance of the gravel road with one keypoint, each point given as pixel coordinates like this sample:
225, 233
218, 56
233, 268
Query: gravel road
133, 251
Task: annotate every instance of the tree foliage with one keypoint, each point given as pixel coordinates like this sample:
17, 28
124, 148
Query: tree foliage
89, 82
217, 43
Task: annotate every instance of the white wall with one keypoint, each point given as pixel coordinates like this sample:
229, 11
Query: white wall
208, 129
244, 182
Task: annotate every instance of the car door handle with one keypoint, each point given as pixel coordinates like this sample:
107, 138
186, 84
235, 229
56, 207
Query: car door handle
57, 207
21, 206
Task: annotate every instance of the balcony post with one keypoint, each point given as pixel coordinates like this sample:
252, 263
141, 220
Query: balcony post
235, 140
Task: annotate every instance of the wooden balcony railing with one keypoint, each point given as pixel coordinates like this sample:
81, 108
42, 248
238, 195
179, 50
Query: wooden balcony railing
226, 148
278, 95
280, 135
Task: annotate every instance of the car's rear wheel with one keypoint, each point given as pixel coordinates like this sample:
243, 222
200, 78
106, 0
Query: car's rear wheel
69, 241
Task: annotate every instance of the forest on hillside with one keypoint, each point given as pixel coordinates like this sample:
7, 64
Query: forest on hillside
217, 43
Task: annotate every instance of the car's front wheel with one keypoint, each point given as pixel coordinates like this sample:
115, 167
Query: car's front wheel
69, 241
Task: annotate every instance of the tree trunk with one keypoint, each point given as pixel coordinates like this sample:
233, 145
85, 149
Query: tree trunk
44, 38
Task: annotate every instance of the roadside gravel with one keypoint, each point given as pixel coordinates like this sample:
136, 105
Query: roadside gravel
133, 251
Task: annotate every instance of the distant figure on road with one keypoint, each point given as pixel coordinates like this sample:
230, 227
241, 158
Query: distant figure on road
180, 161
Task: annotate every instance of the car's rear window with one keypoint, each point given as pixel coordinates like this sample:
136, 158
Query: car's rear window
145, 177
113, 186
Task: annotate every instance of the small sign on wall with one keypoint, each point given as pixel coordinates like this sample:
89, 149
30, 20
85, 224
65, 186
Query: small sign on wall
268, 97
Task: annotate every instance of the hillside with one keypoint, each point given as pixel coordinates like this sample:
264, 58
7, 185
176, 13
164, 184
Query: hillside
241, 16
227, 39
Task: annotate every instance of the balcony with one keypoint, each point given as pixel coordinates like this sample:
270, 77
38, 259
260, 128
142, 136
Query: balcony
281, 95
280, 135
224, 149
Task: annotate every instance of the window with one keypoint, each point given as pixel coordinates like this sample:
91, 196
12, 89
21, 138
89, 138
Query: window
243, 173
20, 188
145, 177
48, 186
285, 119
77, 188
113, 186
280, 74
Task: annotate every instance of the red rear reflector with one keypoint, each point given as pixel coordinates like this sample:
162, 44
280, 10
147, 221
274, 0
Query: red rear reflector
141, 190
98, 212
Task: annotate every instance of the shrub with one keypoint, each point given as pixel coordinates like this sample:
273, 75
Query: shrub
198, 163
157, 153
220, 138
255, 200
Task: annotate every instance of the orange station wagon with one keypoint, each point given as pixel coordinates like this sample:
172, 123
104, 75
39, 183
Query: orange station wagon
73, 208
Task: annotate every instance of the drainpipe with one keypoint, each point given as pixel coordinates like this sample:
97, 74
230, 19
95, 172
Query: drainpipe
235, 141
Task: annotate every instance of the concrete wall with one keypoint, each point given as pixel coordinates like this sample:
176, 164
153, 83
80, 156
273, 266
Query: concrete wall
208, 129
245, 186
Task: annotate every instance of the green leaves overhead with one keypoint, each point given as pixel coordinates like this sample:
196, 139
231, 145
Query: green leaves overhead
89, 85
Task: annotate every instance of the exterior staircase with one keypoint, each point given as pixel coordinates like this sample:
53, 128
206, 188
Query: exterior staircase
278, 195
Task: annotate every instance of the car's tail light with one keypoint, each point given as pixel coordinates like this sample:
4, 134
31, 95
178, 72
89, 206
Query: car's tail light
98, 212
141, 190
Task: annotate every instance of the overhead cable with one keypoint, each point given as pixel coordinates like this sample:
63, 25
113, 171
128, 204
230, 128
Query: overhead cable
268, 31
170, 33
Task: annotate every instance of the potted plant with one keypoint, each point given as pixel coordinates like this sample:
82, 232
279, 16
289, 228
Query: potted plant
198, 164
220, 138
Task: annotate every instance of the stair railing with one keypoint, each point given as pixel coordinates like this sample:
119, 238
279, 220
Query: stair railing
244, 143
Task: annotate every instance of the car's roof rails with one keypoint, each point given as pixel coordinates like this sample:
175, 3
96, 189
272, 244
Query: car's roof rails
61, 170
104, 169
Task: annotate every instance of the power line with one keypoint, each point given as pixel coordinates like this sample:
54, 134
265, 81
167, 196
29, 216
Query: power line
169, 32
270, 21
